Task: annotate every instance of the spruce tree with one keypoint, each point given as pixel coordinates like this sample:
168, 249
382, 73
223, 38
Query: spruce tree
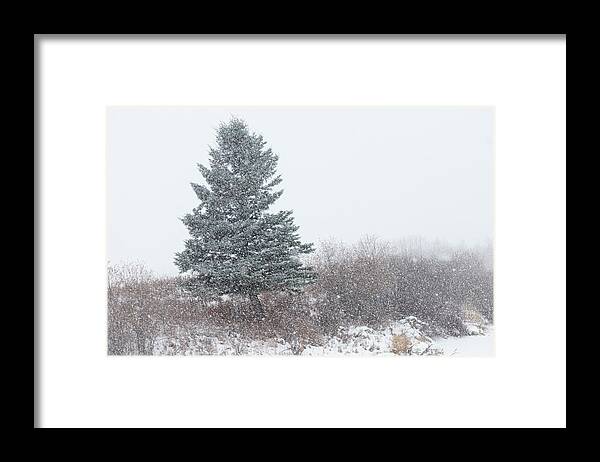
236, 246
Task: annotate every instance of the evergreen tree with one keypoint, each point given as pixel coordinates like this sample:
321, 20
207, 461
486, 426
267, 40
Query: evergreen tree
235, 245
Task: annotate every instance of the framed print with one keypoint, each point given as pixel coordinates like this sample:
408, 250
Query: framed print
288, 232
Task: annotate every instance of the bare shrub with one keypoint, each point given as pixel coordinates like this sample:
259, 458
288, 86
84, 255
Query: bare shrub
371, 283
142, 307
286, 316
374, 282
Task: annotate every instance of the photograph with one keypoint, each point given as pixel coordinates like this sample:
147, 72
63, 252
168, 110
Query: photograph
300, 230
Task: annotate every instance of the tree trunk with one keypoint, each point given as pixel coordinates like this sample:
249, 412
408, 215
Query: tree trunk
257, 308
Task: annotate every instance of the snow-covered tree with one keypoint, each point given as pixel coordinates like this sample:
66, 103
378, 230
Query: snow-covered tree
236, 246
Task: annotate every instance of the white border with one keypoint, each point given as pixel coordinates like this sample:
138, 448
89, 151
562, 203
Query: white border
524, 385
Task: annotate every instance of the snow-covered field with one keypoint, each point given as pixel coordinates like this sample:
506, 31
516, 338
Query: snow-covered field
365, 341
403, 338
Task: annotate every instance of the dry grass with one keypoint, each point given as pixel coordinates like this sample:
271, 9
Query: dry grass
400, 344
285, 317
470, 314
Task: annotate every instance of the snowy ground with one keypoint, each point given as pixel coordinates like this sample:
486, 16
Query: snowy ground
472, 345
352, 341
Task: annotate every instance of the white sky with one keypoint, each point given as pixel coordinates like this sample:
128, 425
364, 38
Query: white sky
394, 172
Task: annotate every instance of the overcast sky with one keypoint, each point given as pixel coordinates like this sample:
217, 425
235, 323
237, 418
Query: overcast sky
394, 172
